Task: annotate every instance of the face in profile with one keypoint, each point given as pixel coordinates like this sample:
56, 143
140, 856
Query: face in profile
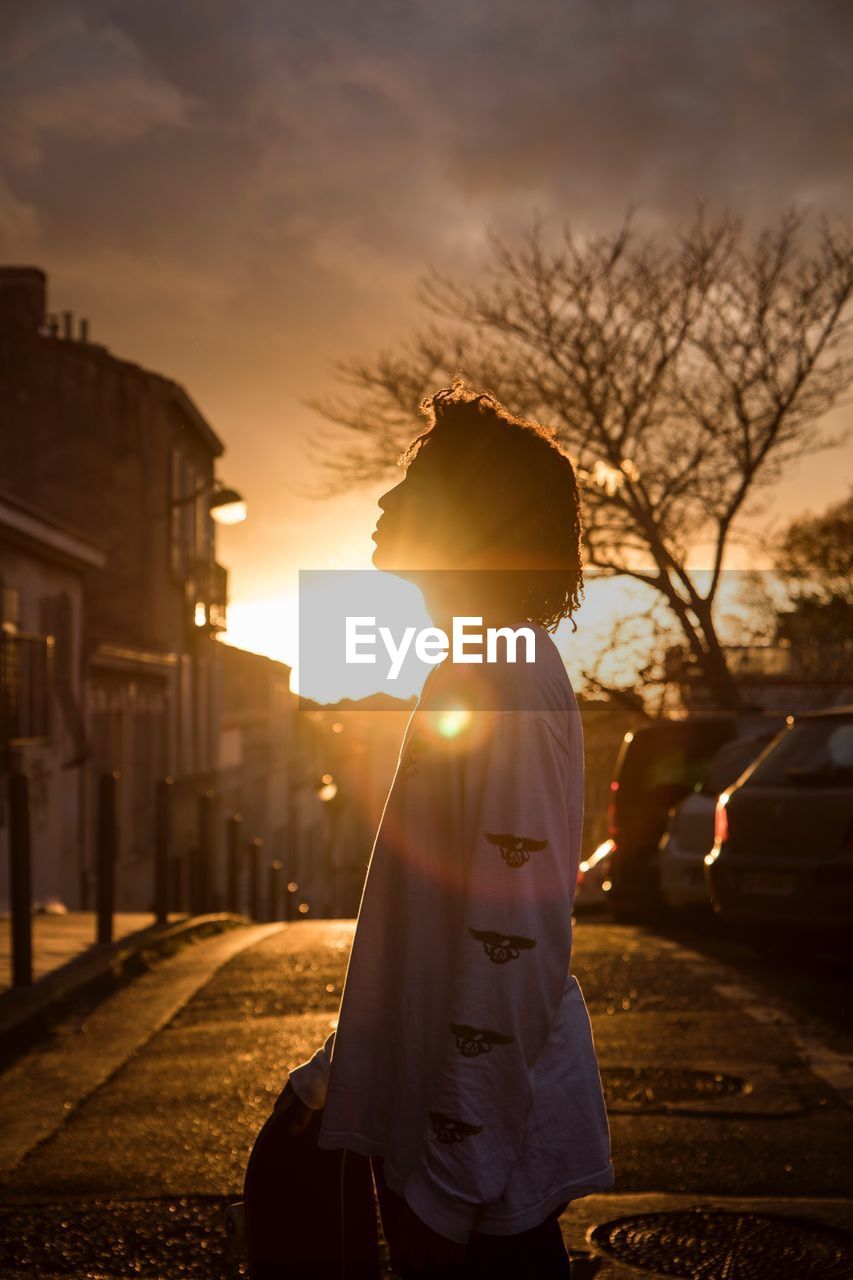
486, 520
425, 531
414, 531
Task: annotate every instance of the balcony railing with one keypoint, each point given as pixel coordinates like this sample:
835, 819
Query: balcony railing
210, 595
25, 676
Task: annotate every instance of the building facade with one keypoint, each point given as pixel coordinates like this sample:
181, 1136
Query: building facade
273, 769
125, 457
44, 570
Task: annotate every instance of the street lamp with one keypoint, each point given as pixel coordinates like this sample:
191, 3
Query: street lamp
226, 506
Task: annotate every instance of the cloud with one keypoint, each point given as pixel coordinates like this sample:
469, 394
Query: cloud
19, 222
64, 79
238, 194
234, 134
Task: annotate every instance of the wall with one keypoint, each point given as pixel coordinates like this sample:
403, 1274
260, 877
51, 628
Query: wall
56, 813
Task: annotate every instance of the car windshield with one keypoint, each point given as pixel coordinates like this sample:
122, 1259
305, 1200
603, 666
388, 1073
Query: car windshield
730, 763
673, 760
814, 753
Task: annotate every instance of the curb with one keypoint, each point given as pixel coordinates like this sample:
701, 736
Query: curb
26, 1015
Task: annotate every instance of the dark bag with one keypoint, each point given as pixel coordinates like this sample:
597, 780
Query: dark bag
310, 1214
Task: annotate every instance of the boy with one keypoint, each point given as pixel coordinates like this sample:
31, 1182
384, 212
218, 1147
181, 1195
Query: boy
463, 1063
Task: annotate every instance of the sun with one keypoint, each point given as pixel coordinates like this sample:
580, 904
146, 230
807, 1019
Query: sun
269, 626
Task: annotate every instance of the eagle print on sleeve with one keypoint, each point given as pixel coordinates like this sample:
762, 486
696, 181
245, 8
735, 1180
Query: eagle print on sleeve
450, 1130
472, 1041
502, 947
515, 850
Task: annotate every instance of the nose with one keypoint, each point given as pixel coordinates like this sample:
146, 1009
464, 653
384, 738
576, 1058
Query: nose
387, 498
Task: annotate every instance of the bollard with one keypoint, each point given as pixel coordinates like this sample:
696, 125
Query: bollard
287, 913
273, 878
105, 854
192, 880
162, 848
201, 887
233, 833
177, 895
255, 846
20, 880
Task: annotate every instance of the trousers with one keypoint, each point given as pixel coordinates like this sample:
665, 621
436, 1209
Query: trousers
536, 1254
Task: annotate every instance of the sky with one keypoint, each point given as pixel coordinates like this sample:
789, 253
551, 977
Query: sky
240, 195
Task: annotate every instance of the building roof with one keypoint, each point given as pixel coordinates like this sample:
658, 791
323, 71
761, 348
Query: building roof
23, 312
36, 530
180, 397
194, 415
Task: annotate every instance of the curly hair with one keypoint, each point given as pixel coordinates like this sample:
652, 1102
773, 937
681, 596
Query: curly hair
518, 498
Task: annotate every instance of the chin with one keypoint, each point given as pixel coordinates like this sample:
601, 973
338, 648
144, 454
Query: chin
385, 556
381, 560
389, 563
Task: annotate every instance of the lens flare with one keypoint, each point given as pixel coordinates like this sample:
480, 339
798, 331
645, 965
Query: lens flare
452, 723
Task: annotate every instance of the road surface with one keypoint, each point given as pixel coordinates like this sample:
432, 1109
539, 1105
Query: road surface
121, 1140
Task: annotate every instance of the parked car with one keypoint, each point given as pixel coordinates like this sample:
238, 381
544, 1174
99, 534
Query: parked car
657, 766
594, 884
689, 833
783, 846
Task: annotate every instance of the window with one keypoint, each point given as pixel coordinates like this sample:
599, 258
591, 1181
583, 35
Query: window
730, 763
10, 609
176, 515
671, 759
814, 753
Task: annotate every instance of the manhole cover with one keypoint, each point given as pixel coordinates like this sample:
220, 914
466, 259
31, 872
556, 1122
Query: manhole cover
705, 1244
178, 1239
656, 1088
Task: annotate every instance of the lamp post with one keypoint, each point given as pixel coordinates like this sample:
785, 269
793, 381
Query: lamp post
202, 616
225, 505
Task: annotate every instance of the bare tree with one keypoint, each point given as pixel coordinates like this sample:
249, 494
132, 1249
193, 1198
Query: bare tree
649, 638
682, 376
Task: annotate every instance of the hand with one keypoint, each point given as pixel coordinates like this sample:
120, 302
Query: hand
417, 1250
299, 1115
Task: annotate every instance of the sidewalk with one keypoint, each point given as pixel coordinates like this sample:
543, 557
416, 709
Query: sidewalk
72, 972
60, 939
41, 1088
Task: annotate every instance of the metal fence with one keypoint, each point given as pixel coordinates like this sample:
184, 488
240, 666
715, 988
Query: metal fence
25, 674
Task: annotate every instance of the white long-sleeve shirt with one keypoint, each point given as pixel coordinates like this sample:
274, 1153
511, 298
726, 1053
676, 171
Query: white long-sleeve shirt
463, 1053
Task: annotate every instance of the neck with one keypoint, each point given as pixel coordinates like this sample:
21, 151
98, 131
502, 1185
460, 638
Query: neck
456, 595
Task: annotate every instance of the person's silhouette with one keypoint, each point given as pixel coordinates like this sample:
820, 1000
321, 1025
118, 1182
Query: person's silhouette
463, 1062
